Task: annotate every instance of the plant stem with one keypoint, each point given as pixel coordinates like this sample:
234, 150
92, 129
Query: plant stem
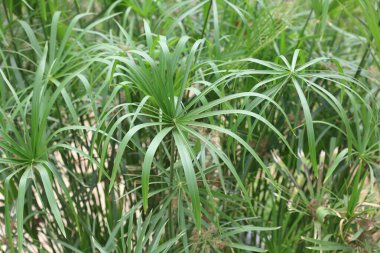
171, 179
10, 21
206, 19
363, 60
300, 39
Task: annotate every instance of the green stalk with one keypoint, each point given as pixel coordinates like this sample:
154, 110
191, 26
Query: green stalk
10, 21
300, 40
206, 19
363, 60
171, 179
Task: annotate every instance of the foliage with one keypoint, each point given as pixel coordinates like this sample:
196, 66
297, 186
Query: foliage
189, 126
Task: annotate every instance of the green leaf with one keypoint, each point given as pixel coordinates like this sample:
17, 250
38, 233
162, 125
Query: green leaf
309, 126
38, 83
327, 245
322, 212
49, 192
245, 247
8, 222
342, 155
32, 37
191, 180
22, 186
147, 164
123, 144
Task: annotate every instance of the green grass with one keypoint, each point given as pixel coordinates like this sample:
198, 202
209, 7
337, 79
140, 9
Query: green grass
189, 126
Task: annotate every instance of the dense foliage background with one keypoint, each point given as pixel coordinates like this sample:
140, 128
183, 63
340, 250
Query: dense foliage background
189, 126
